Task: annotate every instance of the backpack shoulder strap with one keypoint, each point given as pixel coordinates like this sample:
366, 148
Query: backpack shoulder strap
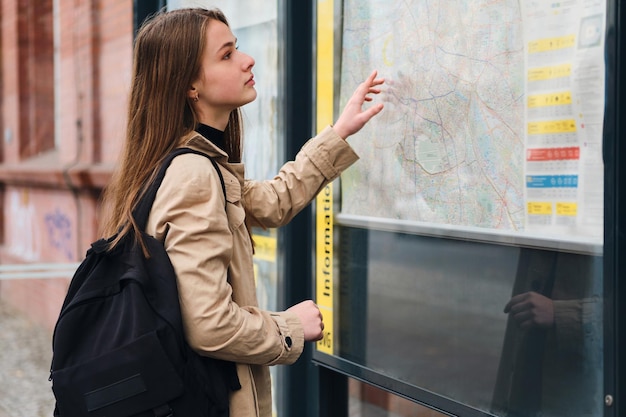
142, 211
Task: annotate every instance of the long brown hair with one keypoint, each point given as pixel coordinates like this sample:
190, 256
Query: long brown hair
167, 59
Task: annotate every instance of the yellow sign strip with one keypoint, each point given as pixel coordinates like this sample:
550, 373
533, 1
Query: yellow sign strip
325, 63
550, 73
551, 44
567, 209
543, 208
324, 266
265, 248
324, 201
552, 127
550, 99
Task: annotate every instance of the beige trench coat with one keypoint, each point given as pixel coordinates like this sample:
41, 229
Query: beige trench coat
211, 252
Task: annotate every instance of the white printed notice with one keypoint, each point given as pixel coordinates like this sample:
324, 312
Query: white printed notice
564, 85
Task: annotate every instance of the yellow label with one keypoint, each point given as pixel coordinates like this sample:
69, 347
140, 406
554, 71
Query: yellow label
265, 248
539, 208
549, 73
566, 209
552, 99
552, 126
324, 202
552, 44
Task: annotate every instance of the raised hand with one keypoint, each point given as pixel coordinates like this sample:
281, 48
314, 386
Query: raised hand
354, 117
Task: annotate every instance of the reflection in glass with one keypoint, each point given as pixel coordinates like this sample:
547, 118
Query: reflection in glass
430, 312
551, 363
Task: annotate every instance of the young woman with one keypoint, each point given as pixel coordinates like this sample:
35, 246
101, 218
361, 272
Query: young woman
189, 81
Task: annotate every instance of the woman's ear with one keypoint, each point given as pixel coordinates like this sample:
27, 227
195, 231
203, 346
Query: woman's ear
192, 93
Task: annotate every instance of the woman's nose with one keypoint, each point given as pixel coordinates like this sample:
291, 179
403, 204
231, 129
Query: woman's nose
249, 62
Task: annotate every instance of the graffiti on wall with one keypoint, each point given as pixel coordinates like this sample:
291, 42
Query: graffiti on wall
25, 237
60, 232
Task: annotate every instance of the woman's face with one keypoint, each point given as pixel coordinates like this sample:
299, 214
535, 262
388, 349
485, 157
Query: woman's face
226, 81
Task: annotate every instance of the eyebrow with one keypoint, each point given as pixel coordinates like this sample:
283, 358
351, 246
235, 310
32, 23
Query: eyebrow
228, 45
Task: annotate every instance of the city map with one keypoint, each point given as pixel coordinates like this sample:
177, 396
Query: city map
449, 146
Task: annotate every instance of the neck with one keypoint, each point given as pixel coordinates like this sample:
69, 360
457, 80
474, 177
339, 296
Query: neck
213, 119
212, 134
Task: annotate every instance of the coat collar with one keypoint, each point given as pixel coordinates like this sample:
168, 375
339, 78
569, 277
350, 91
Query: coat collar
198, 142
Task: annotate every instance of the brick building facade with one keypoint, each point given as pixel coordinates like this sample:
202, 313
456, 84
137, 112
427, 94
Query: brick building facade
64, 76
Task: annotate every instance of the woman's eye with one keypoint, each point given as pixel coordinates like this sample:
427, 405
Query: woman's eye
228, 55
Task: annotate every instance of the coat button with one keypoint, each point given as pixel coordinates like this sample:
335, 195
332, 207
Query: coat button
288, 341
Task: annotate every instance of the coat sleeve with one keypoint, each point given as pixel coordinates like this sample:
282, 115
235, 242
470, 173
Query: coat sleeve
577, 326
188, 216
275, 202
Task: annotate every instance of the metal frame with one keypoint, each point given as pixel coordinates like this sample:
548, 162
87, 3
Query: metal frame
296, 19
612, 250
615, 210
142, 9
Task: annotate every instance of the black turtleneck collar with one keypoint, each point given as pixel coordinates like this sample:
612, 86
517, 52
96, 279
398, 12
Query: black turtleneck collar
214, 135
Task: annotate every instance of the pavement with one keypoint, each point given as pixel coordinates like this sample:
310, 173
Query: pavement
25, 353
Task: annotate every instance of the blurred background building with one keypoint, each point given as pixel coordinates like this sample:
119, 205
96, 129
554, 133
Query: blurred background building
65, 72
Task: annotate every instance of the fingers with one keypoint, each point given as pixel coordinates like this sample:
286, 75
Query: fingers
531, 309
517, 305
374, 110
368, 86
354, 117
372, 80
372, 91
311, 318
320, 335
523, 316
516, 301
521, 313
316, 328
377, 81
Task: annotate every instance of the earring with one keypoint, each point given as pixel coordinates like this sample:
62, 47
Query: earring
196, 98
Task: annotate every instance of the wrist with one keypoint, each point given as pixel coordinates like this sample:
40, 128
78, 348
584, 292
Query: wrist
340, 131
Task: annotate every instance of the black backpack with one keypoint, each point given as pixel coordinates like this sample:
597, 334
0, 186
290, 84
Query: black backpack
118, 344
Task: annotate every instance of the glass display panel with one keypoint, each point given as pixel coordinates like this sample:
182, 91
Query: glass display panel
365, 400
493, 117
430, 312
462, 255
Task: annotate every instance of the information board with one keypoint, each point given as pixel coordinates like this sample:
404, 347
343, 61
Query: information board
493, 116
